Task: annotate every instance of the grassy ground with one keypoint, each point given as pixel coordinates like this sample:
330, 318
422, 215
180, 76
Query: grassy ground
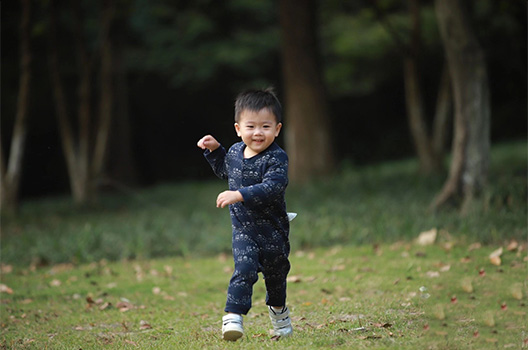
149, 269
360, 205
446, 296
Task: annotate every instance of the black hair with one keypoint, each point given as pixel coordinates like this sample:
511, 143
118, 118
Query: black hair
255, 100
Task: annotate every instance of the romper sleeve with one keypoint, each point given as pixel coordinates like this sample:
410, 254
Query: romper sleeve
273, 185
217, 162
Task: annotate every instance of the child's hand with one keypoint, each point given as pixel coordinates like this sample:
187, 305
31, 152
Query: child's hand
208, 142
228, 197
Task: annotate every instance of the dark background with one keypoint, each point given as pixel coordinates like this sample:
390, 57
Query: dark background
171, 105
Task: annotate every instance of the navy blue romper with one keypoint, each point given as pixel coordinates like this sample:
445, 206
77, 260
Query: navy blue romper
260, 223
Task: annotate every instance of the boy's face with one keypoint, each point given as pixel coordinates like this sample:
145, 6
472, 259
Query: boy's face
258, 130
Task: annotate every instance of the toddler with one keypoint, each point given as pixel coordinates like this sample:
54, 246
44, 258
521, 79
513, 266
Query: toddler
257, 173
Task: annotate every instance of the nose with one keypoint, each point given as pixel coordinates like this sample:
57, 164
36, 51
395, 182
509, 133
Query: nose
258, 131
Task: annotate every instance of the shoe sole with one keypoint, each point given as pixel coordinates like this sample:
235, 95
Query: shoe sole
232, 335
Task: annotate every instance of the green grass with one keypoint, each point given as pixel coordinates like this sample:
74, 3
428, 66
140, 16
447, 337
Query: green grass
403, 295
360, 205
149, 269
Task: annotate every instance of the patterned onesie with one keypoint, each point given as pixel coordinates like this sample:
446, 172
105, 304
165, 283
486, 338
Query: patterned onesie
260, 223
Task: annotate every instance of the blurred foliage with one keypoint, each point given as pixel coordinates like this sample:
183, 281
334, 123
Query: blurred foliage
192, 42
179, 53
386, 202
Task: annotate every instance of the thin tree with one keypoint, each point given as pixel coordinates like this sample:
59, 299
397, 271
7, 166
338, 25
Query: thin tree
10, 175
308, 140
84, 151
471, 144
429, 145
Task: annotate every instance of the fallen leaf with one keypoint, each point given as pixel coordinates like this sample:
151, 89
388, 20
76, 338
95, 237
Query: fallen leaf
512, 246
55, 283
475, 246
124, 306
476, 334
293, 279
105, 306
144, 325
482, 272
432, 274
5, 289
156, 290
496, 252
516, 291
439, 312
445, 268
465, 260
504, 307
6, 269
382, 325
489, 319
130, 342
495, 260
427, 237
467, 285
454, 299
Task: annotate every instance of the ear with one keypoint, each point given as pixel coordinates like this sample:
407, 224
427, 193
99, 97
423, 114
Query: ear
278, 129
237, 129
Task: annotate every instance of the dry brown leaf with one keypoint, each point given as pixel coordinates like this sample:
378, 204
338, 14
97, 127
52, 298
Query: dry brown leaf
131, 342
5, 289
489, 319
439, 312
496, 260
6, 269
475, 246
293, 279
144, 325
105, 306
512, 246
427, 237
124, 306
55, 283
516, 291
467, 285
496, 253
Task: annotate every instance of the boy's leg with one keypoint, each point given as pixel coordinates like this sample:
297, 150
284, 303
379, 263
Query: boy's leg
240, 291
275, 269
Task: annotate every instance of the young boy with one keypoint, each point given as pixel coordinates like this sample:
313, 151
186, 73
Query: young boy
257, 172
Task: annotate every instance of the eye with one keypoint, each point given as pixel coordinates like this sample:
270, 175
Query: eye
249, 126
266, 126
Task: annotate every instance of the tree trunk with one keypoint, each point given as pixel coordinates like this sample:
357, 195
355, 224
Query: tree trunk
471, 144
429, 148
122, 169
106, 98
69, 147
11, 175
429, 160
443, 113
85, 157
308, 140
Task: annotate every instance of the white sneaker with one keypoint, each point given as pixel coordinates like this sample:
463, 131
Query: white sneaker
232, 327
281, 322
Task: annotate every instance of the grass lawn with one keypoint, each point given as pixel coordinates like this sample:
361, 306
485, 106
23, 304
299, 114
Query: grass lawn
148, 269
445, 296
